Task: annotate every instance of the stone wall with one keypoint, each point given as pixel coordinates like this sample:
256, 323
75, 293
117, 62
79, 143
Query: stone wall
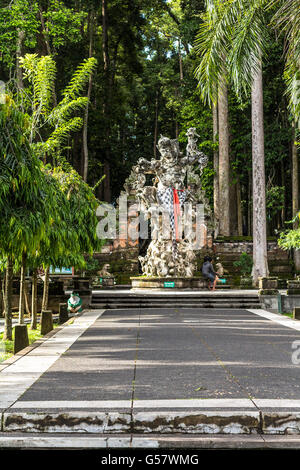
122, 255
229, 249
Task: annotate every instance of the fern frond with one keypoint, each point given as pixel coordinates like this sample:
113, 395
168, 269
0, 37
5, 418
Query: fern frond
62, 133
44, 83
29, 64
41, 72
63, 112
79, 79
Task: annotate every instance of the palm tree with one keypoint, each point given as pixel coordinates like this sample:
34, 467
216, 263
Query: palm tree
287, 19
236, 42
216, 91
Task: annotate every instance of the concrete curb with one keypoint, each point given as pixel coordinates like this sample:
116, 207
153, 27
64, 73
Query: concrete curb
162, 422
155, 441
153, 422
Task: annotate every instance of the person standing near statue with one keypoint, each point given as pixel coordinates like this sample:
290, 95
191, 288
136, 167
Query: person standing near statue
209, 273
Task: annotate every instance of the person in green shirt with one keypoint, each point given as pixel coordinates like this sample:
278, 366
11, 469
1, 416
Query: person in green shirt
74, 303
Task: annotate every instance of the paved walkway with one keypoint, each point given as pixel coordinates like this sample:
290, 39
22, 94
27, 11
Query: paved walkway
163, 371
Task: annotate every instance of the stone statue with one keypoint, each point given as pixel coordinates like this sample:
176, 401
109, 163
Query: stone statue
104, 272
174, 255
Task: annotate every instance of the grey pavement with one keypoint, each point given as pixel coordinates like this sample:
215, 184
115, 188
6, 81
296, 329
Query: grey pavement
147, 371
174, 354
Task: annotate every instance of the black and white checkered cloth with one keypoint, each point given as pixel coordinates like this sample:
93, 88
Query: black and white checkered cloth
166, 199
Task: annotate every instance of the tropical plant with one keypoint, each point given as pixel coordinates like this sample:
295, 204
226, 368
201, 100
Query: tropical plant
25, 202
72, 234
244, 264
233, 38
287, 20
213, 86
51, 126
290, 239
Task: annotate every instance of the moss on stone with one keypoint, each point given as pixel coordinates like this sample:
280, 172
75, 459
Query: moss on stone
293, 292
268, 292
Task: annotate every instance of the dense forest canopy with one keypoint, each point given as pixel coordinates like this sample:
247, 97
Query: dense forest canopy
144, 85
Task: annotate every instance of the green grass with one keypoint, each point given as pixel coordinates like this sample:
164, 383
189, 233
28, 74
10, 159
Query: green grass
7, 347
288, 314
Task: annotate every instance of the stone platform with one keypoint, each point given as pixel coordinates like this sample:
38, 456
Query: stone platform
163, 282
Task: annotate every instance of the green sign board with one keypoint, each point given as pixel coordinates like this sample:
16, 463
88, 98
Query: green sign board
169, 284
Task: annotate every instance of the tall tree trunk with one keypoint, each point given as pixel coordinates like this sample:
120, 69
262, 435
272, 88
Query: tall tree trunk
33, 324
1, 296
216, 168
176, 128
156, 124
283, 217
3, 289
45, 33
295, 177
106, 102
22, 290
233, 207
106, 182
46, 289
249, 209
105, 36
19, 53
239, 208
260, 260
224, 207
86, 114
180, 60
295, 192
27, 309
8, 300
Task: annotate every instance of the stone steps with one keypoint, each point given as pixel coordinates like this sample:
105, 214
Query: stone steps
201, 300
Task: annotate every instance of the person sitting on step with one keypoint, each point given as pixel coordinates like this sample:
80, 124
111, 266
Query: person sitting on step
209, 273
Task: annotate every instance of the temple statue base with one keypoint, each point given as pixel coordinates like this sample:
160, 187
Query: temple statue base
168, 283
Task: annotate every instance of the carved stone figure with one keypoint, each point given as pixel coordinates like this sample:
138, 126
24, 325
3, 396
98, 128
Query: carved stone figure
175, 184
104, 272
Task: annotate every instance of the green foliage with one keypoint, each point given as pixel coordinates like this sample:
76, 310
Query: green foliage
15, 17
92, 265
25, 202
275, 200
72, 230
290, 239
244, 264
41, 74
146, 40
63, 23
287, 20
